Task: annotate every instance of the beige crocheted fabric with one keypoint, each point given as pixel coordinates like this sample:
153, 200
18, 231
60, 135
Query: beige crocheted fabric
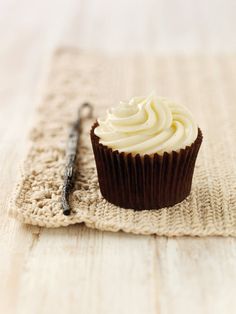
205, 84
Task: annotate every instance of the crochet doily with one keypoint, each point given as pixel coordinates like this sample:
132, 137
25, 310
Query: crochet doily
204, 84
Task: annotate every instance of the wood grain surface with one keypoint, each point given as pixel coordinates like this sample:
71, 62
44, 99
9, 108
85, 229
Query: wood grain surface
75, 269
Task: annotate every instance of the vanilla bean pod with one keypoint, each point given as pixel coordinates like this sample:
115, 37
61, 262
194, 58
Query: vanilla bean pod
72, 145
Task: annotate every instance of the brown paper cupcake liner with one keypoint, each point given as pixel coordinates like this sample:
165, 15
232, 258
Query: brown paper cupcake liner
144, 182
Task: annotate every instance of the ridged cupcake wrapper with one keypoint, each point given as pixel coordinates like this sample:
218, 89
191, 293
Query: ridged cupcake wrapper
144, 182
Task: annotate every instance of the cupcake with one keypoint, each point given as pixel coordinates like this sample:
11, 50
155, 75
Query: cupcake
145, 152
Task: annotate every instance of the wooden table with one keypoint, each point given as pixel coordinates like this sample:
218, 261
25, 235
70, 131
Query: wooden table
75, 269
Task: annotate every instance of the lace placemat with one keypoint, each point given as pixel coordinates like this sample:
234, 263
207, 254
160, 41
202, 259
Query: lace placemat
205, 84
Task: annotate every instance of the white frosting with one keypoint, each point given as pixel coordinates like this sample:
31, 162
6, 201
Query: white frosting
147, 126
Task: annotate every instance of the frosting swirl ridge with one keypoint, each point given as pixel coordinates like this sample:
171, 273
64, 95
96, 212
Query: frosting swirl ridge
147, 126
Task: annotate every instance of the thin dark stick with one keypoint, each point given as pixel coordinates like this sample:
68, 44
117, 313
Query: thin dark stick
73, 141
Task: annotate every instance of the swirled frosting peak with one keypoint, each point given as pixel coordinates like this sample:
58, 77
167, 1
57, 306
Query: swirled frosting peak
147, 126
